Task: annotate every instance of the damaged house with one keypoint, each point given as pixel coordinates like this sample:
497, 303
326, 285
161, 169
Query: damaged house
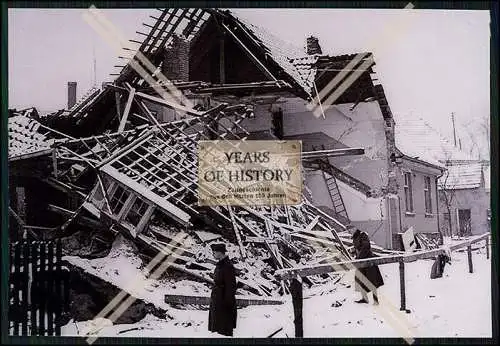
383, 192
123, 160
463, 188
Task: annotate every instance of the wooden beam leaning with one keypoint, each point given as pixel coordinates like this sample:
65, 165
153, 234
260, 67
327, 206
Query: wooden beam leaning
237, 232
169, 104
126, 111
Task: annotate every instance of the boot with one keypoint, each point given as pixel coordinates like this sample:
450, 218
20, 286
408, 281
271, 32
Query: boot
361, 301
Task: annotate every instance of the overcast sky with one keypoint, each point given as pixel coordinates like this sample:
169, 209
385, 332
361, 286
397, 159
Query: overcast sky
430, 62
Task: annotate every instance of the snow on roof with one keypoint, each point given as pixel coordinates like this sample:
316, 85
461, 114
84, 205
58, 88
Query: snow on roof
417, 139
24, 137
288, 56
466, 176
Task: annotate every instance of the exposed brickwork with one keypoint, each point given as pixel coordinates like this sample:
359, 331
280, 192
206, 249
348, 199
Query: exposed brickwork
312, 46
176, 61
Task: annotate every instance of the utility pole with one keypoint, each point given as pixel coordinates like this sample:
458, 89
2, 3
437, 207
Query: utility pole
454, 132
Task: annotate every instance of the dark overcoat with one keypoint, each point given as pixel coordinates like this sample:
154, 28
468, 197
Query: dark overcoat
222, 313
296, 292
371, 273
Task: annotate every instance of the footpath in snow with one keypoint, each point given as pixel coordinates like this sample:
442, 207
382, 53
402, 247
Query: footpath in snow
456, 305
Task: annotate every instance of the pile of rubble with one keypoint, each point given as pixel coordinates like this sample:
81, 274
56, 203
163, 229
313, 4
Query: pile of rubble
126, 160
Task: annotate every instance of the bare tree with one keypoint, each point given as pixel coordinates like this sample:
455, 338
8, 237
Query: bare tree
446, 190
447, 196
478, 136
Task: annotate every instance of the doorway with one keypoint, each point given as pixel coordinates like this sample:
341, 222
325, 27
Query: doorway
464, 222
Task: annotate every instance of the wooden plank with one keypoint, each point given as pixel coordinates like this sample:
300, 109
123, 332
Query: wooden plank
83, 220
58, 290
241, 301
50, 289
25, 287
311, 225
16, 263
169, 104
469, 242
237, 232
41, 290
207, 236
126, 111
260, 240
313, 239
34, 288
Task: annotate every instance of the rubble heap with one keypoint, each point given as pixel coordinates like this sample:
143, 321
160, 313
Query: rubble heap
129, 159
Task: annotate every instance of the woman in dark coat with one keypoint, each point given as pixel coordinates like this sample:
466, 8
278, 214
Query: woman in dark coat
222, 313
366, 279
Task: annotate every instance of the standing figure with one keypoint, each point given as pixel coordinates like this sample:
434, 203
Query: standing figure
222, 313
296, 292
366, 279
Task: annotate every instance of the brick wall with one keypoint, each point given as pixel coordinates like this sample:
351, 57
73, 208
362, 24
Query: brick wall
176, 61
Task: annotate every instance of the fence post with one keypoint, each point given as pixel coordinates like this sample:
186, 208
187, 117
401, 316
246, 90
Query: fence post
487, 247
50, 289
402, 284
15, 306
34, 288
42, 278
469, 255
58, 278
24, 288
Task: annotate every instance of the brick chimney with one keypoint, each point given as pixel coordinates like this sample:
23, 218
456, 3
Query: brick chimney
312, 46
176, 62
71, 94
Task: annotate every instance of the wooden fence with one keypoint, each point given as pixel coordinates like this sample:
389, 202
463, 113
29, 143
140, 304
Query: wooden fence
39, 290
401, 259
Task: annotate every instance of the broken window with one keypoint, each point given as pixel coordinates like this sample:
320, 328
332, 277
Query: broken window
408, 192
118, 199
427, 195
137, 211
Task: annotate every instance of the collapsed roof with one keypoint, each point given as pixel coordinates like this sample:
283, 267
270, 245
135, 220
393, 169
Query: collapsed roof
139, 175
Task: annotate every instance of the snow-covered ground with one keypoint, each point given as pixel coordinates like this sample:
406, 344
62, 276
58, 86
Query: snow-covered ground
456, 305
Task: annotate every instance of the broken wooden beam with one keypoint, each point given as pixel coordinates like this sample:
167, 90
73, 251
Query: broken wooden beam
128, 105
318, 154
348, 265
82, 220
241, 301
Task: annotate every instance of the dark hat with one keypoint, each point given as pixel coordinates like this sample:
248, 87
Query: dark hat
356, 233
218, 247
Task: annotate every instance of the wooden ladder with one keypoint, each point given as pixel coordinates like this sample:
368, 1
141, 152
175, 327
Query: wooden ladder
333, 188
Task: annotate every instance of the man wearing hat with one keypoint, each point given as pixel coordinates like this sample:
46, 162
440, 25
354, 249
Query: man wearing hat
222, 313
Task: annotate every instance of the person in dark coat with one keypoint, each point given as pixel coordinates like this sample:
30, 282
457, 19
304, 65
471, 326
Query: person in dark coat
366, 279
438, 266
222, 312
296, 292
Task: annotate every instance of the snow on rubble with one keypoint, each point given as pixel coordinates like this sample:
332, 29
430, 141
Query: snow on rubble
332, 313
